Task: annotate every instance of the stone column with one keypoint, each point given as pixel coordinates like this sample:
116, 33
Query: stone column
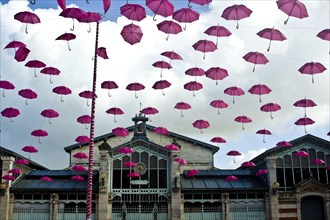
225, 206
273, 187
176, 207
11, 206
7, 164
54, 206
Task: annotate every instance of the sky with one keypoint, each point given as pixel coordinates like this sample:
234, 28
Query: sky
133, 63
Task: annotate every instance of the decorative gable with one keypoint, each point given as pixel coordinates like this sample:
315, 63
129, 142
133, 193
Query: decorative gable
311, 185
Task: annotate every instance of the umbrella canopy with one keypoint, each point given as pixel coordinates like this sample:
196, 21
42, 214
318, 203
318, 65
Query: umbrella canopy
84, 119
46, 178
109, 85
195, 71
204, 46
305, 103
255, 58
129, 164
182, 106
135, 87
318, 161
62, 90
284, 144
82, 139
22, 162
30, 149
67, 37
115, 111
74, 13
106, 5
259, 89
50, 71
218, 140
21, 54
191, 173
293, 8
6, 85
304, 121
62, 4
261, 172
231, 178
301, 153
120, 132
236, 12
78, 168
8, 177
185, 15
102, 52
312, 68
133, 12
216, 73
180, 160
39, 133
199, 2
133, 175
87, 94
271, 34
49, 113
160, 130
35, 64
201, 124
162, 65
160, 7
27, 94
149, 111
77, 178
243, 119
15, 44
27, 18
324, 34
193, 86
172, 147
125, 150
80, 155
234, 91
219, 104
234, 153
91, 17
10, 113
131, 33
248, 164
15, 170
161, 84
264, 132
169, 27
171, 55
270, 107
217, 31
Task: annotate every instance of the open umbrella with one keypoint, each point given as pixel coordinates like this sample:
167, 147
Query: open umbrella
324, 35
234, 91
318, 161
133, 12
293, 8
204, 46
10, 113
77, 178
84, 119
191, 173
243, 119
259, 89
82, 139
231, 178
8, 177
120, 132
217, 31
201, 124
125, 150
264, 132
67, 37
218, 140
49, 113
271, 34
180, 160
270, 107
172, 147
74, 13
109, 85
102, 52
6, 85
218, 104
161, 84
46, 178
131, 33
171, 55
255, 58
169, 27
78, 168
195, 71
312, 68
160, 131
87, 95
149, 111
234, 153
248, 164
185, 15
160, 7
27, 18
80, 155
30, 149
21, 54
284, 144
15, 44
193, 86
182, 106
106, 5
39, 133
133, 175
115, 111
261, 172
62, 4
50, 71
22, 162
135, 87
27, 94
129, 164
216, 73
35, 64
62, 90
199, 2
236, 12
162, 65
301, 153
15, 171
91, 17
304, 121
305, 103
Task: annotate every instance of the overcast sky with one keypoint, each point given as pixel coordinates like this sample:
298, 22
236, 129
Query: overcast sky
127, 64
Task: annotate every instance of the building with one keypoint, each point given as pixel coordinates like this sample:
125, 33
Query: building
294, 188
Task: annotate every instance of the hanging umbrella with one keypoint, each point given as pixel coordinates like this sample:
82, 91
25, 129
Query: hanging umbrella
91, 17
255, 58
109, 85
82, 139
234, 91
62, 4
261, 172
133, 12
218, 140
231, 178
39, 133
149, 111
21, 54
22, 162
46, 178
293, 8
185, 15
135, 87
201, 124
284, 144
78, 168
15, 44
236, 12
182, 106
133, 175
171, 55
305, 103
131, 33
27, 94
6, 85
10, 113
195, 71
270, 107
180, 160
172, 147
216, 73
115, 111
304, 121
243, 119
50, 71
125, 150
162, 65
312, 68
120, 132
77, 178
129, 164
160, 7
217, 31
49, 113
324, 35
15, 171
301, 154
259, 89
234, 153
62, 90
160, 130
264, 132
67, 37
102, 52
84, 119
218, 104
106, 5
193, 86
27, 17
271, 34
35, 64
87, 95
80, 155
74, 13
161, 84
191, 173
8, 177
169, 27
318, 161
248, 164
30, 149
204, 46
199, 2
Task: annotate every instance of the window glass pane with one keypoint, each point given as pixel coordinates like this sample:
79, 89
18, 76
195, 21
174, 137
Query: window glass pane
153, 162
144, 158
162, 178
162, 163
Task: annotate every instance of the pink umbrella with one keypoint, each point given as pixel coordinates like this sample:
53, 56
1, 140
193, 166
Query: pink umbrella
191, 173
120, 132
27, 18
161, 84
106, 5
172, 147
169, 27
162, 65
125, 150
219, 104
82, 139
195, 71
193, 86
318, 161
243, 119
264, 132
149, 111
182, 106
301, 154
304, 121
324, 34
131, 33
129, 164
15, 170
160, 130
84, 119
271, 34
160, 7
35, 64
30, 149
62, 90
49, 113
217, 31
259, 89
102, 52
22, 162
216, 73
14, 44
201, 124
255, 58
27, 94
62, 4
39, 133
284, 144
77, 178
185, 15
135, 87
50, 71
180, 160
115, 111
248, 164
198, 2
171, 55
218, 140
78, 168
10, 113
234, 153
67, 37
87, 95
6, 85
46, 178
270, 107
204, 46
292, 8
91, 17
231, 178
133, 175
109, 85
234, 91
261, 172
305, 103
74, 13
236, 12
312, 68
21, 54
8, 177
80, 155
133, 12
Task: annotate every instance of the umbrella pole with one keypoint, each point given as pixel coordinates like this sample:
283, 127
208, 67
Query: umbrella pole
270, 41
26, 30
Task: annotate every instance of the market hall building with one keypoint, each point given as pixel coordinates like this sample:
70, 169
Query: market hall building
294, 188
